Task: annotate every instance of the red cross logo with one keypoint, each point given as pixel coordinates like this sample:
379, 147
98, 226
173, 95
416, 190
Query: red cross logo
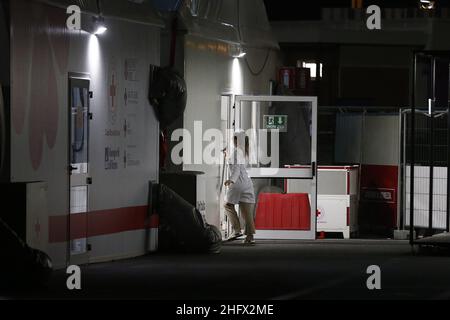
319, 213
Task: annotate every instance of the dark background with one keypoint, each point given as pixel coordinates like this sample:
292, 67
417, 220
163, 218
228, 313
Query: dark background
311, 10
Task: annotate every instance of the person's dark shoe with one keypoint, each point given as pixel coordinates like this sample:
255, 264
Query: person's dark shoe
235, 236
249, 241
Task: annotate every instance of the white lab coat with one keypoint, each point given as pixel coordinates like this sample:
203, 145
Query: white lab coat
242, 188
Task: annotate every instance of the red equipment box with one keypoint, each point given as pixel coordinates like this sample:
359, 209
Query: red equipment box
283, 212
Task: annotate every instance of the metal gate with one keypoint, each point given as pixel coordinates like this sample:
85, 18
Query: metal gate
426, 151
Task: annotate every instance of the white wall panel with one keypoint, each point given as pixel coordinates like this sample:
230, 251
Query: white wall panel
44, 52
349, 133
381, 140
371, 139
422, 199
209, 74
127, 245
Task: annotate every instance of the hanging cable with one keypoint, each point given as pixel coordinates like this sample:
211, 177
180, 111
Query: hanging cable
257, 73
239, 20
99, 10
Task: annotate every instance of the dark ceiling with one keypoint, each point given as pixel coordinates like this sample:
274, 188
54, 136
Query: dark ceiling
311, 10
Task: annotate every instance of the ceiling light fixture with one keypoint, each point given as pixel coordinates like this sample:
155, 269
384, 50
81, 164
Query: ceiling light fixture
99, 26
237, 51
99, 21
427, 4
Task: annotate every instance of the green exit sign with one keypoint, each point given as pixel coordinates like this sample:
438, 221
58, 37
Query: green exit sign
276, 122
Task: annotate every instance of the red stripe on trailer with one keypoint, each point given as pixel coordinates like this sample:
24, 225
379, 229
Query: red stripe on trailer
348, 182
154, 221
57, 229
98, 223
348, 216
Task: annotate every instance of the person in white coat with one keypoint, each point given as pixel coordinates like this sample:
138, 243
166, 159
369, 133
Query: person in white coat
240, 190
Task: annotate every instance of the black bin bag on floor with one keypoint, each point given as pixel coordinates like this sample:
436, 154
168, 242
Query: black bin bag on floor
20, 264
182, 228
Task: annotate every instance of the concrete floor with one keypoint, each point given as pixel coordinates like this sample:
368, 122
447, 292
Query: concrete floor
323, 269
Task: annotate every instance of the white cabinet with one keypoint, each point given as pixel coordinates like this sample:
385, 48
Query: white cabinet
27, 212
337, 213
337, 200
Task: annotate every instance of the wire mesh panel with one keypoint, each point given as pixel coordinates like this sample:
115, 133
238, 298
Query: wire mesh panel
424, 144
430, 172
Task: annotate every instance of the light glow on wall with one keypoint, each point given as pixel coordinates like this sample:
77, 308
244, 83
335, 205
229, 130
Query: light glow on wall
236, 77
93, 54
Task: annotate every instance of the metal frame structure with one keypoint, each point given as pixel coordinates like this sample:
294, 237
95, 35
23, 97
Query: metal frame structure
433, 55
308, 173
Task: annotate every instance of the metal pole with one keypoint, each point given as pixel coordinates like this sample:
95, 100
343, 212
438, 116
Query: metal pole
401, 180
431, 153
431, 179
413, 141
448, 167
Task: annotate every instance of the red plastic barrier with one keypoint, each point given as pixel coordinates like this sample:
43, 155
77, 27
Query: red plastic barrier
283, 212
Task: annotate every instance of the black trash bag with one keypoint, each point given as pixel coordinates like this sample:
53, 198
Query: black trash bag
168, 95
182, 228
214, 239
21, 265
